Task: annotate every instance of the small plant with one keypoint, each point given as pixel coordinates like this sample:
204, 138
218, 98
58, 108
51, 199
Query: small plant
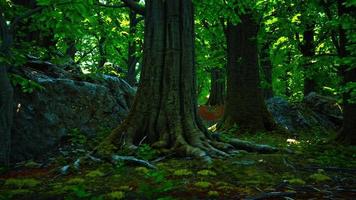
146, 152
77, 137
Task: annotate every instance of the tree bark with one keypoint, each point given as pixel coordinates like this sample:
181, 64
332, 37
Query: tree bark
267, 71
217, 88
244, 104
164, 112
6, 115
347, 134
6, 92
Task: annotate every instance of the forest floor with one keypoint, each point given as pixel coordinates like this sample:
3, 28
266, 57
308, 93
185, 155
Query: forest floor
315, 170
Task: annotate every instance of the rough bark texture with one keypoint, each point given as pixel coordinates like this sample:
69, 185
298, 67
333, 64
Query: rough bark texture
164, 112
244, 104
307, 49
347, 135
266, 66
217, 88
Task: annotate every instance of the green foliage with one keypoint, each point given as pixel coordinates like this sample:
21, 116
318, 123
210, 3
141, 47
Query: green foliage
146, 152
77, 137
27, 86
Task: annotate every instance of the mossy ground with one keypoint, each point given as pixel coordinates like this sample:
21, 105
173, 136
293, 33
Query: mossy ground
316, 170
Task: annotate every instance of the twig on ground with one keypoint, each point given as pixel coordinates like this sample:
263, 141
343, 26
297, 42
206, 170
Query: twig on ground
272, 195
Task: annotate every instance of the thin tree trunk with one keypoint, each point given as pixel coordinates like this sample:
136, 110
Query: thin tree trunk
164, 112
6, 115
6, 93
244, 104
217, 88
308, 51
347, 135
132, 58
267, 71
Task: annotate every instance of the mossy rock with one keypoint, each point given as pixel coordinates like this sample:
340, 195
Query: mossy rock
94, 174
206, 172
296, 181
202, 184
182, 172
318, 177
213, 193
116, 195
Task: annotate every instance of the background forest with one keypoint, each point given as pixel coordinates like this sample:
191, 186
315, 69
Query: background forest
177, 99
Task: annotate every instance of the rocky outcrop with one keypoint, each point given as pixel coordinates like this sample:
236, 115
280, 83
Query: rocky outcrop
43, 117
314, 111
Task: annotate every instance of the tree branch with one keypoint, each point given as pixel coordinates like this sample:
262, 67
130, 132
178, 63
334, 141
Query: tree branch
135, 6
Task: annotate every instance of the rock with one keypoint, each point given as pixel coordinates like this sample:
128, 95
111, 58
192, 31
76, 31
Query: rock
43, 118
314, 111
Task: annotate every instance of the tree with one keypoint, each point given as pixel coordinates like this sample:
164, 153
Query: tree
217, 87
164, 112
244, 101
347, 135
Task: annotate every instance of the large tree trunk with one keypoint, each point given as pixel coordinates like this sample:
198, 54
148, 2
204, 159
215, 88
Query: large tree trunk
244, 104
266, 66
347, 135
308, 51
164, 112
217, 88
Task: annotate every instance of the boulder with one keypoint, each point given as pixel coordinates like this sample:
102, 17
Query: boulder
45, 116
314, 111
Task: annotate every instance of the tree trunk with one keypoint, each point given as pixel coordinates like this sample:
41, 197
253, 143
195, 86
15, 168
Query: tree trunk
6, 92
6, 113
71, 49
244, 104
164, 112
347, 135
308, 51
102, 51
217, 88
132, 58
267, 71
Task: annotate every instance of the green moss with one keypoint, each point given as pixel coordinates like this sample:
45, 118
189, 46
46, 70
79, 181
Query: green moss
182, 172
21, 183
116, 195
206, 172
142, 170
74, 181
213, 193
94, 174
296, 181
318, 177
202, 184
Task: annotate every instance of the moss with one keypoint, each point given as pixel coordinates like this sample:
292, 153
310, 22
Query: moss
18, 192
95, 173
125, 188
202, 184
213, 193
206, 172
21, 183
116, 195
182, 172
296, 181
74, 181
142, 170
318, 177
